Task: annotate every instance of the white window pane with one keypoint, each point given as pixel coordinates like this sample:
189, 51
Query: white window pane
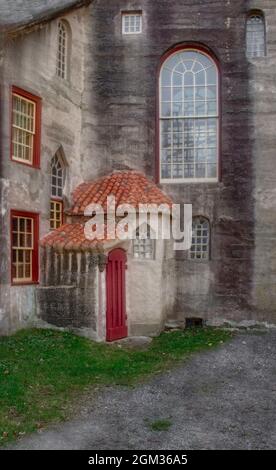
200, 93
177, 94
166, 171
166, 156
57, 177
23, 128
189, 171
189, 102
177, 79
200, 78
143, 246
167, 125
255, 36
189, 93
189, 78
62, 50
132, 23
166, 94
201, 235
166, 109
166, 77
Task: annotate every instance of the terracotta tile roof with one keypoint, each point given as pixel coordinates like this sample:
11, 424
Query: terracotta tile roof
128, 187
72, 237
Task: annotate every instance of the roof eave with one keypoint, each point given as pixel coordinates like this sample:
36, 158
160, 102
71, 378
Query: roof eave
12, 30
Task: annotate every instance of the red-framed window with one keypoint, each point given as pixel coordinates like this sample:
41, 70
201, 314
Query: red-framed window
25, 127
189, 127
56, 214
24, 247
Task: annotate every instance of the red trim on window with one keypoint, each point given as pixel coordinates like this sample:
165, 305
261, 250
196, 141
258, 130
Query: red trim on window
37, 138
35, 258
182, 47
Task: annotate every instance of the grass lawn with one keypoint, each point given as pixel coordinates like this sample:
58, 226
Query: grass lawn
160, 425
43, 371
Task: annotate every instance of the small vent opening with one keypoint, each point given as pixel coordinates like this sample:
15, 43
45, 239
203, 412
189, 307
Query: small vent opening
194, 323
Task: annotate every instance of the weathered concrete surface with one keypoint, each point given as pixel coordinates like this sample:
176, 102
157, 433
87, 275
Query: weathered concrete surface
104, 117
29, 62
67, 296
119, 109
220, 399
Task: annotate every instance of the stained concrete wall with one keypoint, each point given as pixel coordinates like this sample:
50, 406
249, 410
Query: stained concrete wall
105, 118
68, 293
150, 284
120, 92
30, 62
262, 82
145, 286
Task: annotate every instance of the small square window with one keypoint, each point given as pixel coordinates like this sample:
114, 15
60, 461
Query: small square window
132, 23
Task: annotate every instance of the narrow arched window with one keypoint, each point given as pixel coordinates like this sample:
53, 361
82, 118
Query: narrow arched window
200, 248
189, 117
57, 173
255, 35
57, 183
143, 245
62, 50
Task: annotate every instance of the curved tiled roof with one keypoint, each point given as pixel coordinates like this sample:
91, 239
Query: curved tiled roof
128, 187
72, 237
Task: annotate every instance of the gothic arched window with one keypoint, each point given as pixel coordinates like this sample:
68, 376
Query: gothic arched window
57, 177
255, 35
189, 117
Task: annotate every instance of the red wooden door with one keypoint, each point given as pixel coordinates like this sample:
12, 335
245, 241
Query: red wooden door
116, 327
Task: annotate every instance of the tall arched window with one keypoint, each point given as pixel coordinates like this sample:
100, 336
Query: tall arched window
62, 50
200, 249
189, 117
57, 183
255, 35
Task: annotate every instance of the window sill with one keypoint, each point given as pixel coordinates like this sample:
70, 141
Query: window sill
198, 261
189, 180
29, 165
28, 283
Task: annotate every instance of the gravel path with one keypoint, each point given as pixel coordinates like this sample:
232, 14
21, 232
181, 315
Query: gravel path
219, 399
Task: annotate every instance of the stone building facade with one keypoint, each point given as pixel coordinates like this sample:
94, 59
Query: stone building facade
104, 114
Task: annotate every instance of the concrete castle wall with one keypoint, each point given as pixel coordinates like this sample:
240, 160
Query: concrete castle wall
68, 294
121, 82
30, 63
105, 119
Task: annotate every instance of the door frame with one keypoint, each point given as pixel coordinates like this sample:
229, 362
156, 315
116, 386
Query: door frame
113, 331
